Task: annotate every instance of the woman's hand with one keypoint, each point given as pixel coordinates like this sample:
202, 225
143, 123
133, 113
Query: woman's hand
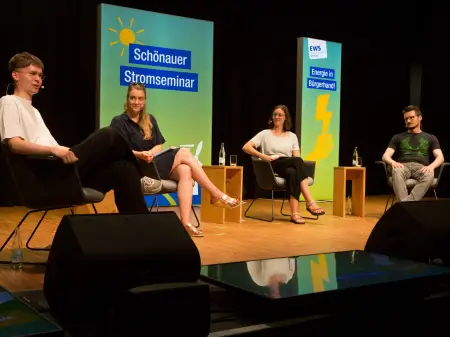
265, 157
146, 156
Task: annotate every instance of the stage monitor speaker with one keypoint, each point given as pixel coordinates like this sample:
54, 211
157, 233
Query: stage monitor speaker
96, 259
416, 230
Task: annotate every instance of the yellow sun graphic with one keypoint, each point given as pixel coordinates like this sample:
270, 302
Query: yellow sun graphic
126, 35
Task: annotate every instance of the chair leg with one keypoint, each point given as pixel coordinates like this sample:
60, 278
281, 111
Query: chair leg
315, 217
282, 204
34, 231
18, 226
387, 203
196, 218
273, 204
256, 218
95, 209
153, 203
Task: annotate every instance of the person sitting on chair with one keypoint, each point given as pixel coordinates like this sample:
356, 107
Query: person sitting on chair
142, 131
413, 159
280, 147
104, 159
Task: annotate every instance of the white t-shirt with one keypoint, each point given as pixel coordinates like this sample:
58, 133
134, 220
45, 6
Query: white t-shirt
261, 271
276, 145
18, 118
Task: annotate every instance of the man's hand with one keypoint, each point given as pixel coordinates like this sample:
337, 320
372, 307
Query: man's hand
427, 169
65, 154
396, 165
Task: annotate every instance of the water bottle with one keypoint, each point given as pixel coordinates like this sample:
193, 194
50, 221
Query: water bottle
222, 155
348, 206
17, 251
355, 157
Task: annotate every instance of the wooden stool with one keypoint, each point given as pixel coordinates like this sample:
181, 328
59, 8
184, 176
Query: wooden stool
229, 180
358, 177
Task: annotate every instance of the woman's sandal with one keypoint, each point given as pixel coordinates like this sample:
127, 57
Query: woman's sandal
195, 232
315, 211
297, 219
227, 202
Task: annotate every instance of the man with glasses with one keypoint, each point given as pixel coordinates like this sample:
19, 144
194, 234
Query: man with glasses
104, 160
414, 148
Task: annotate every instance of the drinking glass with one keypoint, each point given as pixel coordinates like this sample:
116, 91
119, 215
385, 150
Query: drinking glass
233, 160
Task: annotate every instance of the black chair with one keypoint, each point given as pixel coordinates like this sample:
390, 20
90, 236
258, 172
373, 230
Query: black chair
267, 180
44, 183
168, 185
410, 183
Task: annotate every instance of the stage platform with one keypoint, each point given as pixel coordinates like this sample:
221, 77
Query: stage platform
228, 242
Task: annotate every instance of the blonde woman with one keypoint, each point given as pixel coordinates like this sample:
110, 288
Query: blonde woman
142, 131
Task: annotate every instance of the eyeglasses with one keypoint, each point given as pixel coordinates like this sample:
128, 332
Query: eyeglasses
277, 114
410, 117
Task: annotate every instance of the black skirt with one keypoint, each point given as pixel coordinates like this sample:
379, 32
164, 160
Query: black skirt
164, 163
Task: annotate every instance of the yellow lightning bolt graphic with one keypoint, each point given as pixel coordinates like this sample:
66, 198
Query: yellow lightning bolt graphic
321, 112
319, 273
324, 142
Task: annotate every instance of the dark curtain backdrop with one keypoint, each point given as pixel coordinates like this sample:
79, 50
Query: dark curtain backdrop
254, 68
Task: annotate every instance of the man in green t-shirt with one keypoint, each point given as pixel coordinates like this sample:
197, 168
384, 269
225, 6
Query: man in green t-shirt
413, 150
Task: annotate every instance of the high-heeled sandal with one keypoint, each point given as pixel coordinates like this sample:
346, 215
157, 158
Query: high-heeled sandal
297, 219
227, 202
195, 232
316, 211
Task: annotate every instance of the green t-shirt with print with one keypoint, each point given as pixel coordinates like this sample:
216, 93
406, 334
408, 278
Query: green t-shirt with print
414, 147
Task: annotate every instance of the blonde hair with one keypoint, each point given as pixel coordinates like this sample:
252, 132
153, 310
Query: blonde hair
144, 121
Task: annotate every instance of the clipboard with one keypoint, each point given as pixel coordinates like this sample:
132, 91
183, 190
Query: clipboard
156, 155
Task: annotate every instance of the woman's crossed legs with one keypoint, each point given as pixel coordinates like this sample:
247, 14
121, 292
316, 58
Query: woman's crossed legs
185, 168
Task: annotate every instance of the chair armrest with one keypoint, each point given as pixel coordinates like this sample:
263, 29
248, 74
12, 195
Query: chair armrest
438, 170
385, 166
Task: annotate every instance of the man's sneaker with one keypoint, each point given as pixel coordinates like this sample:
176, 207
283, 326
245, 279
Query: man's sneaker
150, 186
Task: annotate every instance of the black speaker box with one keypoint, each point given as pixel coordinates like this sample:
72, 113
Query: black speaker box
96, 259
416, 230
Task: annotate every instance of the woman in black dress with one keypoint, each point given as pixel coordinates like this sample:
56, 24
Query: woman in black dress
142, 131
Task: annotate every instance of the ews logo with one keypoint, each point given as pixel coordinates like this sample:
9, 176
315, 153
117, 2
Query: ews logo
317, 49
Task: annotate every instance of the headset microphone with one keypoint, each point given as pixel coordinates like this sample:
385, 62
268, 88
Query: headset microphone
42, 87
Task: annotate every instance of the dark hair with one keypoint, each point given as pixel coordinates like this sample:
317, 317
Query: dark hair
287, 122
23, 60
412, 108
